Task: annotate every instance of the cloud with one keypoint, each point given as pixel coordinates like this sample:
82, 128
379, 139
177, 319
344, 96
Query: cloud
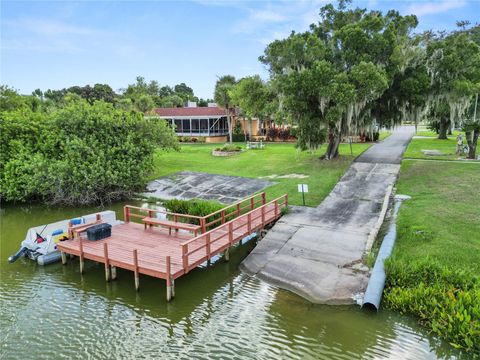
429, 8
267, 16
269, 20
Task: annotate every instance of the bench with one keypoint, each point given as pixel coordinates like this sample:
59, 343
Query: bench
171, 224
255, 145
77, 230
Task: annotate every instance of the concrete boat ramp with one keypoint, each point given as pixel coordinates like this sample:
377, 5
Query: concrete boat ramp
317, 252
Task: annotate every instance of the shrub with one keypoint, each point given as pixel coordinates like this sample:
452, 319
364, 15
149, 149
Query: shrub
229, 148
447, 301
79, 154
194, 207
284, 134
272, 134
238, 137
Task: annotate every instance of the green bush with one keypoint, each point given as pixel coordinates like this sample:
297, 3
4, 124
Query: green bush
238, 137
229, 148
194, 207
79, 154
446, 301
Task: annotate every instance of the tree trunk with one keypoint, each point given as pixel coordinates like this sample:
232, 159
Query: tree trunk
442, 129
332, 149
229, 124
472, 140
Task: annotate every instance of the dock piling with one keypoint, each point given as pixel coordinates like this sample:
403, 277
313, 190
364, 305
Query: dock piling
81, 255
170, 284
107, 264
135, 271
64, 257
113, 272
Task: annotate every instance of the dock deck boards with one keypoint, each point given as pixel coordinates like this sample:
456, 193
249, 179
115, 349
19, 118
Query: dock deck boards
169, 256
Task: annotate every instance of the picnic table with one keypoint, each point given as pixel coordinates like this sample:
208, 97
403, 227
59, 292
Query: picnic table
255, 145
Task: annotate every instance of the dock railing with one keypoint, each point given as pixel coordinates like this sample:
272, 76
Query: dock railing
130, 211
230, 232
232, 211
206, 222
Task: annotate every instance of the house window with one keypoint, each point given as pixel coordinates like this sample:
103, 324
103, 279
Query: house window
195, 126
204, 125
186, 125
178, 126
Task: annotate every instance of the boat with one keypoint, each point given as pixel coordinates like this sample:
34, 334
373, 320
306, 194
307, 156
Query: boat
40, 242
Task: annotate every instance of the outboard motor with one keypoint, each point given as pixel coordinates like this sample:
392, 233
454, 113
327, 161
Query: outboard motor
23, 250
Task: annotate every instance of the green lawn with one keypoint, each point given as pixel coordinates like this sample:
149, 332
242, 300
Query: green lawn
446, 147
422, 130
442, 220
434, 271
275, 159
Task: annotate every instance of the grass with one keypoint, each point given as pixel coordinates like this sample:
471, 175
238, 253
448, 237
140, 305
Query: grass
422, 130
433, 272
275, 159
446, 147
384, 134
442, 220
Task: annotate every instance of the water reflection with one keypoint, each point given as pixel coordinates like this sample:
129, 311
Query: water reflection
55, 312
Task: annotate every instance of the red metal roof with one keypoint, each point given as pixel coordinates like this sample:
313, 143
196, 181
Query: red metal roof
190, 111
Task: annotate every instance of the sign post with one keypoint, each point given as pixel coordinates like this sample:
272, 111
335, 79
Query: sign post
303, 188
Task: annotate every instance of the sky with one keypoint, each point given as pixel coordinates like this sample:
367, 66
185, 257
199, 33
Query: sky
57, 44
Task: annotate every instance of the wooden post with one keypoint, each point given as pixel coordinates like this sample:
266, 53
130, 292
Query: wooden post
81, 254
135, 271
64, 258
252, 203
238, 209
70, 233
263, 216
276, 208
249, 223
98, 217
207, 241
151, 214
230, 233
126, 214
113, 272
286, 200
223, 217
202, 224
185, 257
264, 199
169, 279
107, 265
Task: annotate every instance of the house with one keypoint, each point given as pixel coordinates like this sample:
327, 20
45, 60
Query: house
209, 122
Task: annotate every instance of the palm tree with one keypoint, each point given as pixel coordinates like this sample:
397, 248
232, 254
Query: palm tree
222, 97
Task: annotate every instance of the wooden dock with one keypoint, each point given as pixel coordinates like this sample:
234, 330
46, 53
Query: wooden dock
161, 253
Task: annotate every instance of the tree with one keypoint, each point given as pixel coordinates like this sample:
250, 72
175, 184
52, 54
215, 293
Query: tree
79, 154
453, 64
329, 77
253, 96
185, 92
171, 101
10, 99
221, 96
144, 103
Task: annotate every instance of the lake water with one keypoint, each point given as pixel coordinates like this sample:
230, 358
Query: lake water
53, 312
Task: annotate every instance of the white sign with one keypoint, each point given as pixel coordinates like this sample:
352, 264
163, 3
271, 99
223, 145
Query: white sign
303, 188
